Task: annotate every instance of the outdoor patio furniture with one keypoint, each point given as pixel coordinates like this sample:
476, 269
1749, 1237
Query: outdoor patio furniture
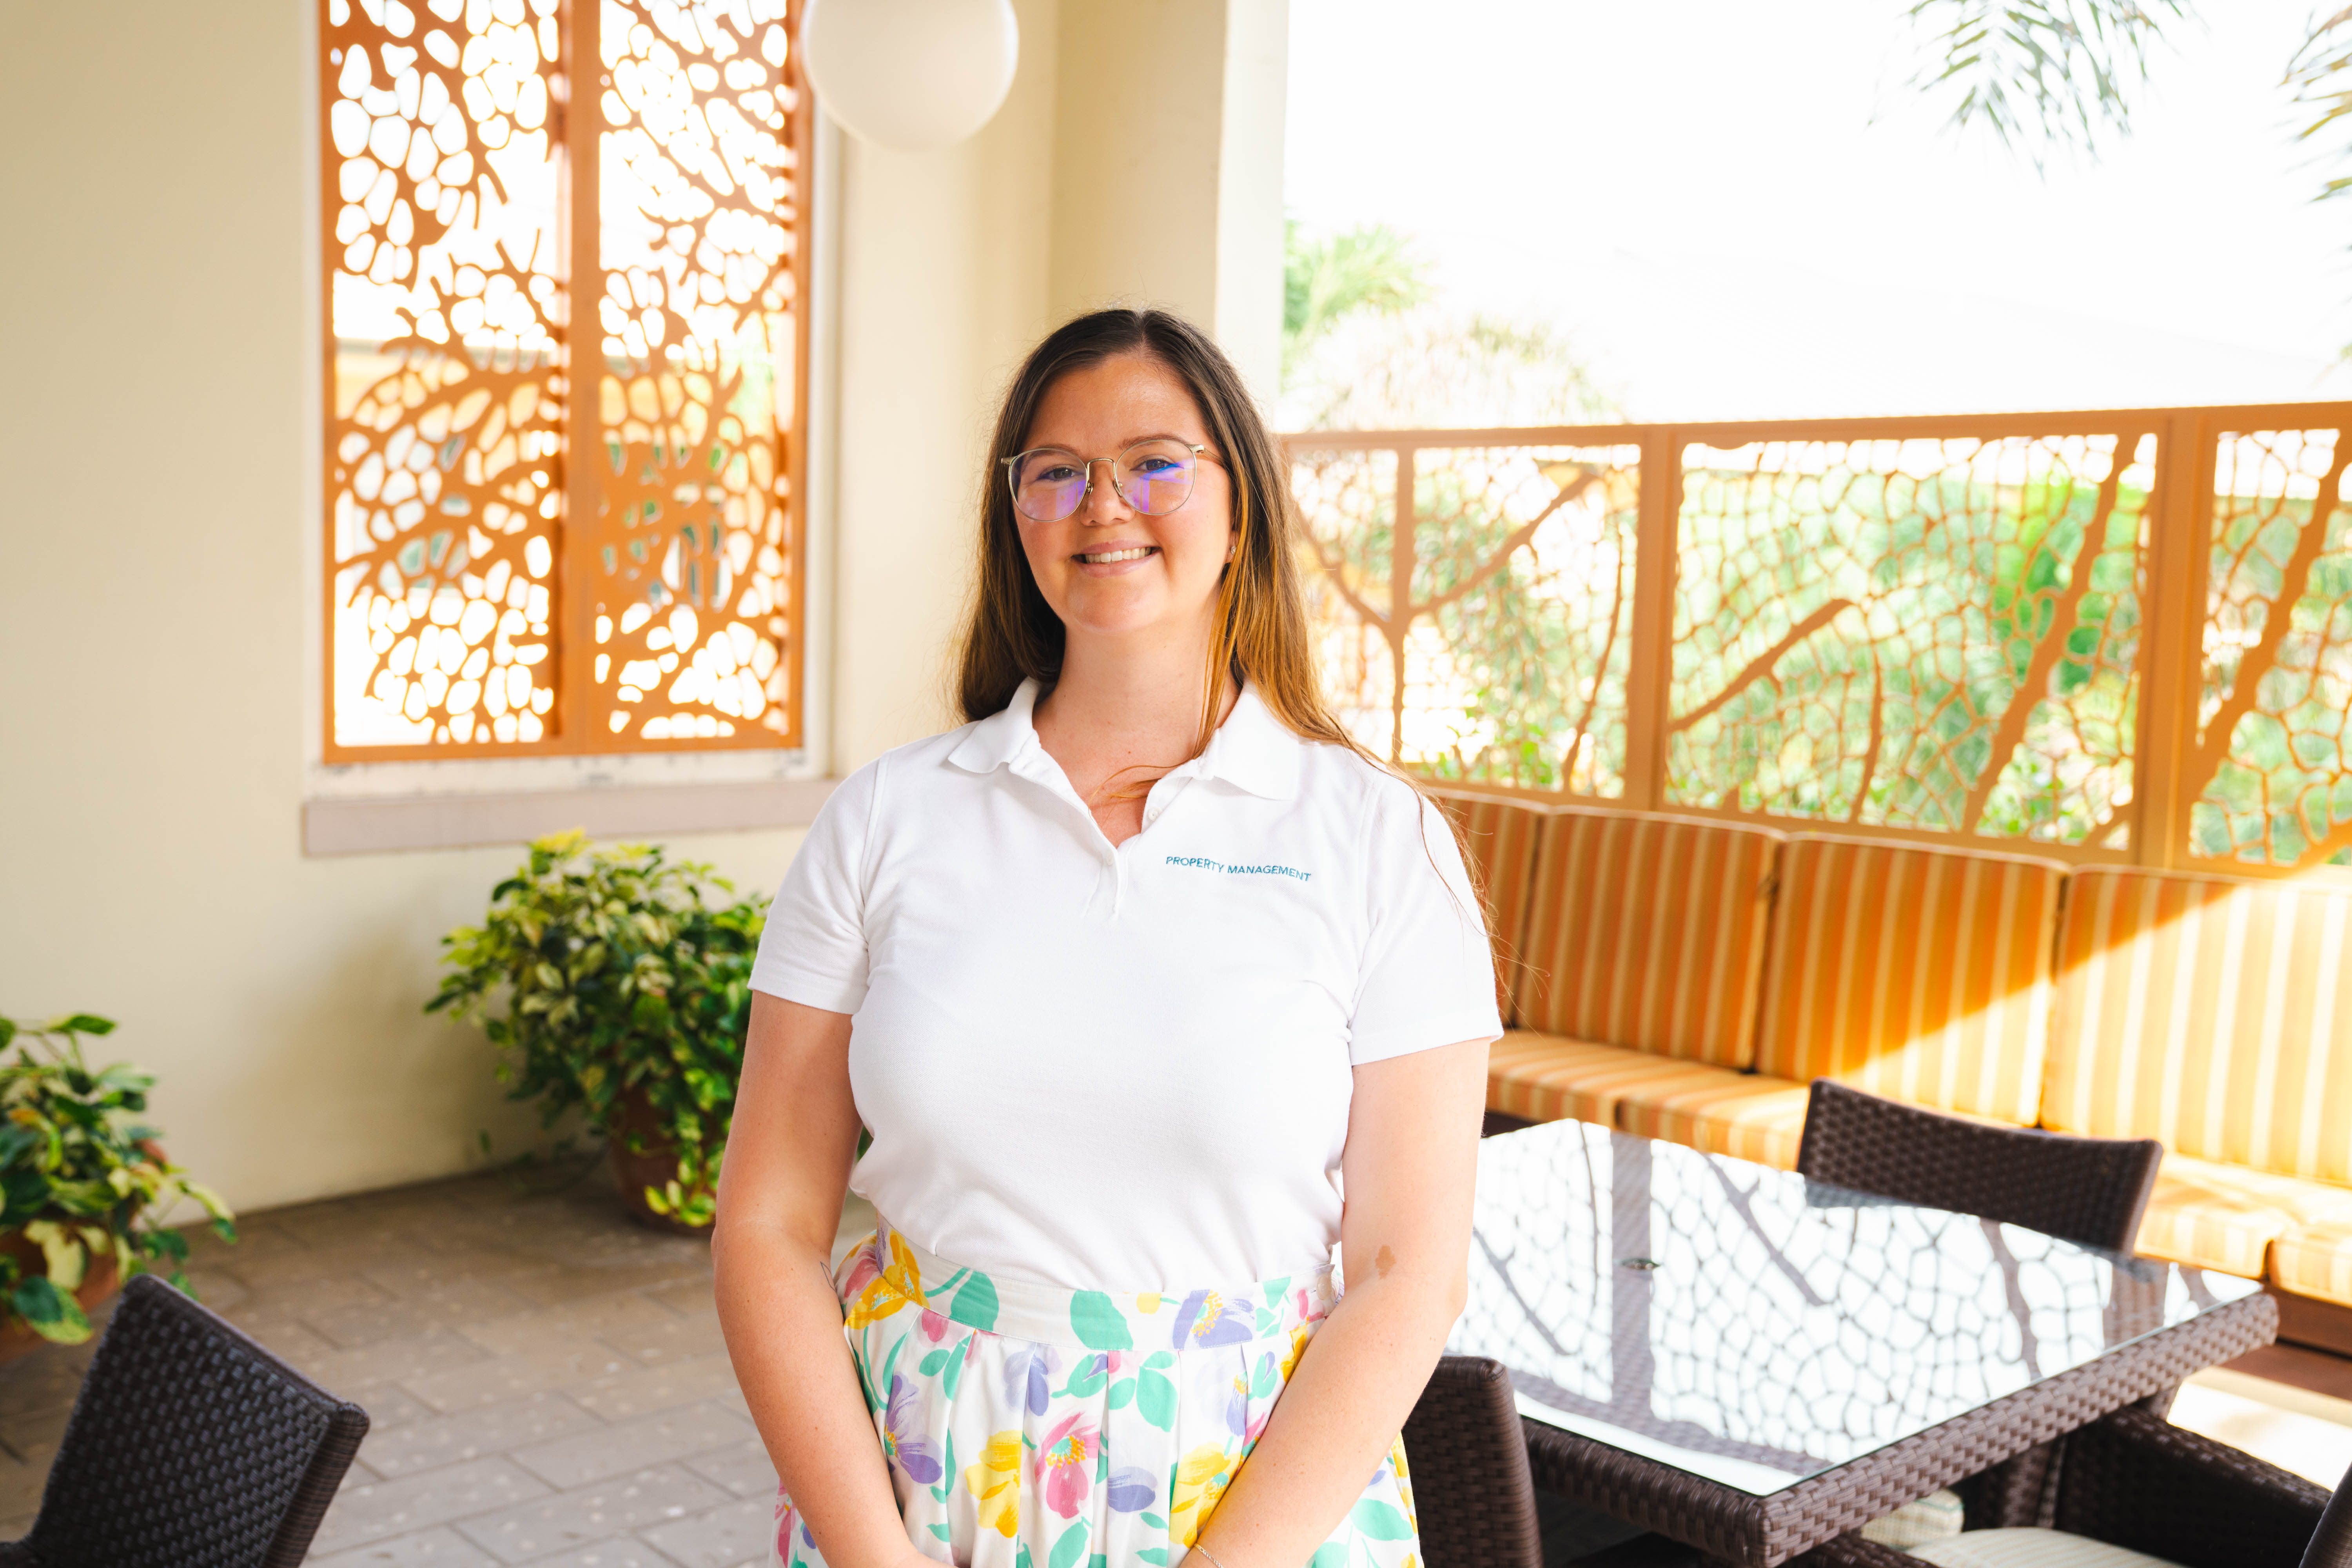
1689, 978
1471, 1489
189, 1443
2132, 1480
1753, 1364
2091, 1190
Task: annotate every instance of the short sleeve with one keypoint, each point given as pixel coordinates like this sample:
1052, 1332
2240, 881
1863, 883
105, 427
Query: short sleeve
1428, 975
813, 951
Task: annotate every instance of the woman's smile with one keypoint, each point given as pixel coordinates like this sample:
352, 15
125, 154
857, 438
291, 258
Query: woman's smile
1111, 560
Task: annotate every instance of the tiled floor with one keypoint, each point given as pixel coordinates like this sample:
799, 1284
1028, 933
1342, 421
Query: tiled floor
545, 1380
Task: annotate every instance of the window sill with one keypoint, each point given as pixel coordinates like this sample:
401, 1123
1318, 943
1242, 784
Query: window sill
382, 825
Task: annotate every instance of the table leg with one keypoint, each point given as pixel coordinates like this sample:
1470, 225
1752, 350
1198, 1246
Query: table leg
2020, 1492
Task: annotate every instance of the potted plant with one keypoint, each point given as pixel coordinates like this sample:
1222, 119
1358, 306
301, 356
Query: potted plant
618, 984
83, 1186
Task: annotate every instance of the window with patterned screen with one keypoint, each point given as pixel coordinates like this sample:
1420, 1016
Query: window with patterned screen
565, 255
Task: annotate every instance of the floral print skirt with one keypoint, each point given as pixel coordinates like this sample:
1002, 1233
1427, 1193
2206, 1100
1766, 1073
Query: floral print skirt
1028, 1426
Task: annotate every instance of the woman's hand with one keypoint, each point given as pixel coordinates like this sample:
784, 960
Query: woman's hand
780, 1193
1411, 1166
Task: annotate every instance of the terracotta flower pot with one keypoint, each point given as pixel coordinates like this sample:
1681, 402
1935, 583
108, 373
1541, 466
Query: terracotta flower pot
637, 1122
98, 1284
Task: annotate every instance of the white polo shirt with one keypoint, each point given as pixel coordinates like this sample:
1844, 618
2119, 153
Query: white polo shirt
1124, 1068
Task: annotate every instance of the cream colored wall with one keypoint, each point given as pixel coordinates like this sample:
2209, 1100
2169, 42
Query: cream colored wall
954, 263
156, 501
1168, 176
1249, 233
943, 269
153, 442
154, 445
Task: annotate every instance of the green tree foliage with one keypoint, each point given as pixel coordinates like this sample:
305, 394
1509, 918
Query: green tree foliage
1434, 367
2321, 74
1326, 279
2052, 73
2042, 73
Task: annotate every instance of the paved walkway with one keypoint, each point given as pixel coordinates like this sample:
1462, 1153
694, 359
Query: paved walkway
545, 1380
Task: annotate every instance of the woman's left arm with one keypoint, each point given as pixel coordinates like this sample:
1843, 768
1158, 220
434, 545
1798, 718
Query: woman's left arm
1409, 1168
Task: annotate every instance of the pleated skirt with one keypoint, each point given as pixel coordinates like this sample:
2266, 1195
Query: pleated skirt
1028, 1426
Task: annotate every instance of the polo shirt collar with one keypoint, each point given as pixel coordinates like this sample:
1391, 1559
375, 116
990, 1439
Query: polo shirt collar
1251, 749
1003, 736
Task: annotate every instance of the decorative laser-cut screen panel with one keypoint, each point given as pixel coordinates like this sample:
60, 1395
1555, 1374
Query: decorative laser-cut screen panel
445, 425
1938, 634
474, 601
694, 600
1517, 582
2268, 769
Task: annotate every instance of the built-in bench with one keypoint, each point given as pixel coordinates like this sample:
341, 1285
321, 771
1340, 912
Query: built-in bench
1686, 978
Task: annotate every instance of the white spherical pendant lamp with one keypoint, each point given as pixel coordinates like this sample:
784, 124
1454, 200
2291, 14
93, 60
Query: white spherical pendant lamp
910, 74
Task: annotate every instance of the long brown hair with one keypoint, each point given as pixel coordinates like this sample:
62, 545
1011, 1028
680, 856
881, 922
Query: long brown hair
1012, 634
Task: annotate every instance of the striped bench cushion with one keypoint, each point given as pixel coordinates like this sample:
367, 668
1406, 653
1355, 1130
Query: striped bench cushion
2223, 1217
1648, 931
1921, 975
1498, 840
2314, 1259
1748, 1116
1547, 1078
2208, 1012
1544, 1077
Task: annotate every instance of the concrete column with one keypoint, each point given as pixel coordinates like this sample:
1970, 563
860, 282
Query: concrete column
943, 266
1137, 161
1167, 166
1249, 190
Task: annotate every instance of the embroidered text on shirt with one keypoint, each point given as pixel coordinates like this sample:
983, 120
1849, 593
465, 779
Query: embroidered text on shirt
1200, 863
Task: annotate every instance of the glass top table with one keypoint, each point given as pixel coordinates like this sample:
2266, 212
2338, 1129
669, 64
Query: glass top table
1738, 1334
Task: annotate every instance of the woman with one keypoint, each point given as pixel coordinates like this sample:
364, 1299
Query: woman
1147, 965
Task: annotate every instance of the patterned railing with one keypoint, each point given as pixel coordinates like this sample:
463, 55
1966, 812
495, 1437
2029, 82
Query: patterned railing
2107, 637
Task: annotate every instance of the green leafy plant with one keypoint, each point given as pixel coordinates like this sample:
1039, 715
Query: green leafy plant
614, 985
80, 1178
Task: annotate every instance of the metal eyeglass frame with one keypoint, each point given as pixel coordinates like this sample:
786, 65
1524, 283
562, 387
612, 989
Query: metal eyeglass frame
1200, 455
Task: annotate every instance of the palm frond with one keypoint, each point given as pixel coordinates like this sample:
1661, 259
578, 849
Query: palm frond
2321, 76
2041, 74
1326, 277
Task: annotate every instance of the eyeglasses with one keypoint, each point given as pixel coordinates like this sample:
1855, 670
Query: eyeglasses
1153, 476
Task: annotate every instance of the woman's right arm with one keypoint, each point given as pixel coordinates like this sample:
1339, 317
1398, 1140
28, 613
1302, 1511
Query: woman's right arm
780, 1194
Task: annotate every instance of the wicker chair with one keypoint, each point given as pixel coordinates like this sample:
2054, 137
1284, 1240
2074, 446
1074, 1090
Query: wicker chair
2091, 1190
189, 1444
2088, 1190
1471, 1489
2134, 1480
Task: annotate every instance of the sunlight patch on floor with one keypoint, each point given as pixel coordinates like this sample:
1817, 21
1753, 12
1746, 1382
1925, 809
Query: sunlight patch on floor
2309, 1433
